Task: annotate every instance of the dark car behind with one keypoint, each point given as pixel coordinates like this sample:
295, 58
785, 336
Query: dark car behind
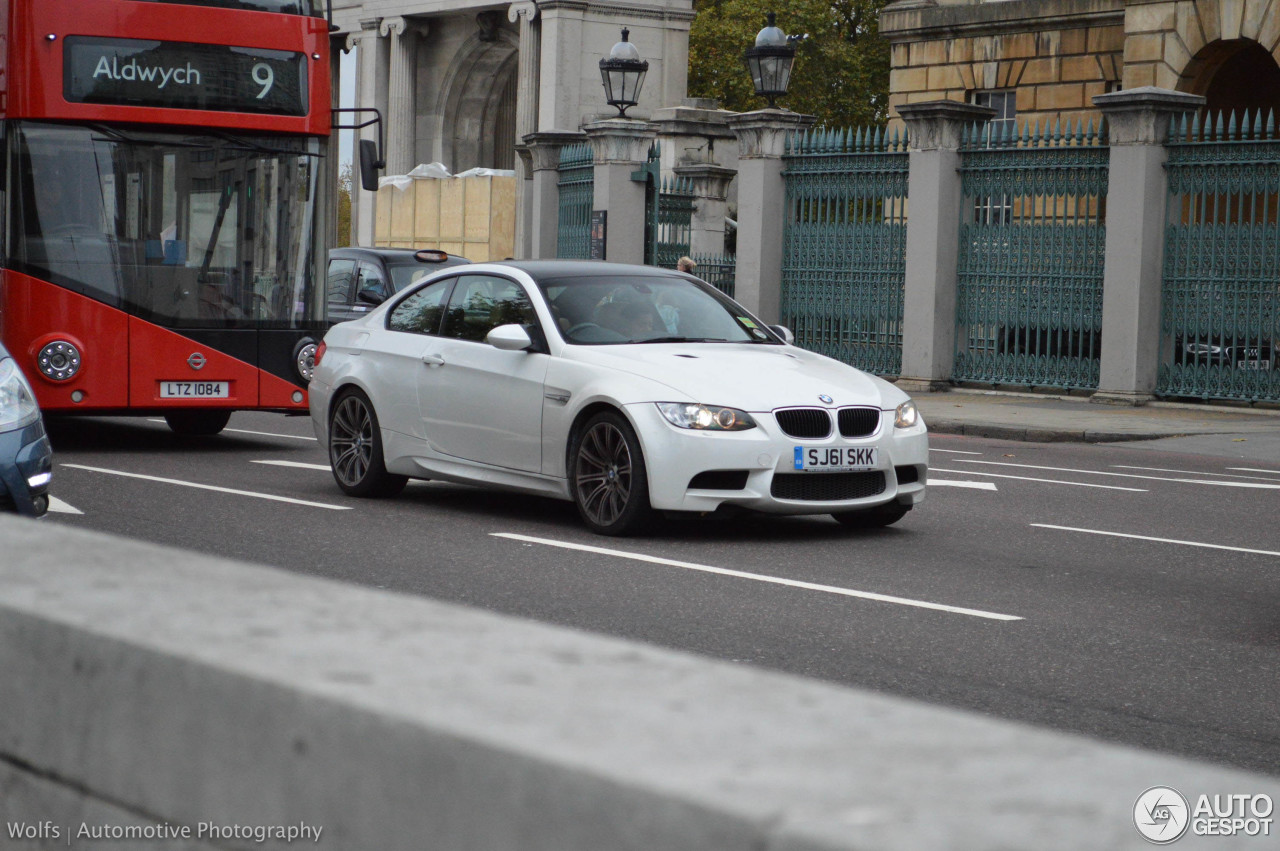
26, 458
362, 278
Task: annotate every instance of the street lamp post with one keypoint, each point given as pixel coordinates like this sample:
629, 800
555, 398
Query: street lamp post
623, 75
770, 60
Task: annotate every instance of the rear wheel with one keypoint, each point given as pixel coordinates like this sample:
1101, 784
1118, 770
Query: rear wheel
355, 448
607, 476
872, 518
197, 423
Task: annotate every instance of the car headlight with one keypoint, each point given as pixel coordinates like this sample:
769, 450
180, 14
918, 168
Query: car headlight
906, 416
705, 417
17, 401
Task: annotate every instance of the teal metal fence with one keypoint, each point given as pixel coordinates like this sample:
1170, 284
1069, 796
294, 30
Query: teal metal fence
719, 270
1220, 315
844, 245
1030, 268
576, 183
675, 221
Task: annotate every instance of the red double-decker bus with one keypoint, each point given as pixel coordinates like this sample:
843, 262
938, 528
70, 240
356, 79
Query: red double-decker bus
165, 203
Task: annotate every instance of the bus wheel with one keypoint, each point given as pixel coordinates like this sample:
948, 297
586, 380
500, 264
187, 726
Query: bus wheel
197, 423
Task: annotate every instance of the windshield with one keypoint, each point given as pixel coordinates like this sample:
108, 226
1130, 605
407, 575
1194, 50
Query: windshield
314, 8
179, 229
618, 310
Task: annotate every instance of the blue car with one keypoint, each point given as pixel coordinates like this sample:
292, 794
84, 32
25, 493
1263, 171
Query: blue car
26, 458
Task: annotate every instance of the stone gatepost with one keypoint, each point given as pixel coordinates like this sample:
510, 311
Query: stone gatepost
620, 147
1137, 192
710, 188
544, 207
935, 199
762, 206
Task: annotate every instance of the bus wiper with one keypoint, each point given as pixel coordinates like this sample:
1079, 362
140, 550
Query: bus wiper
114, 135
259, 148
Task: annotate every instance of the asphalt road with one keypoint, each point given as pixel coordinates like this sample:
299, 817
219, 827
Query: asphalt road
1130, 592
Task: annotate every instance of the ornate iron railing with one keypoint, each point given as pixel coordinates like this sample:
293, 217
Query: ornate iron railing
844, 245
719, 270
675, 221
1032, 242
1220, 314
577, 195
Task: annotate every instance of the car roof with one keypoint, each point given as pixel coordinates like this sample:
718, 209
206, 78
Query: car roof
393, 254
584, 268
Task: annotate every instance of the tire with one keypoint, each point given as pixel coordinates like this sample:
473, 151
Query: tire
873, 518
607, 476
355, 448
195, 423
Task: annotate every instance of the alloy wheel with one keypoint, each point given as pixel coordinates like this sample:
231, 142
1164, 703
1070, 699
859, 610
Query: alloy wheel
603, 473
351, 441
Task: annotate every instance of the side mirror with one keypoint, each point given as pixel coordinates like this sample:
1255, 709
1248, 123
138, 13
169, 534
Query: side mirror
369, 165
784, 332
509, 338
371, 295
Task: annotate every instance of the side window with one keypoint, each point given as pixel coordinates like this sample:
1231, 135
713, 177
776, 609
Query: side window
421, 312
341, 276
371, 277
481, 303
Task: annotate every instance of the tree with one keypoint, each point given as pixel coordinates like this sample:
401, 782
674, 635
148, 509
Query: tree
841, 72
344, 206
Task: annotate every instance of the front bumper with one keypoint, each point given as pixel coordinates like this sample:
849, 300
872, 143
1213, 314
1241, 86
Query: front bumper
25, 453
677, 457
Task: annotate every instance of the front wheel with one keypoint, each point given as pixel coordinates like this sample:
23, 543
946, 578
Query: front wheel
607, 476
355, 449
873, 518
194, 423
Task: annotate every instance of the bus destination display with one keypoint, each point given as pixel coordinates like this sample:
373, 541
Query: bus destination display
180, 75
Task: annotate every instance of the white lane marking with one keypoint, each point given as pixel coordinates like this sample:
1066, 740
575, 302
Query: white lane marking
58, 506
297, 464
1188, 472
254, 494
1125, 475
1158, 540
1254, 470
247, 431
1029, 479
948, 483
953, 451
773, 580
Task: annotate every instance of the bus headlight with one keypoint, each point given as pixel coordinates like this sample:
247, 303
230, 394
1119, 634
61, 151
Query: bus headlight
58, 361
17, 401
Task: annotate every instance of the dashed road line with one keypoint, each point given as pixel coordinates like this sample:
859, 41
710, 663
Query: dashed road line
247, 431
950, 483
1157, 540
300, 465
254, 494
61, 506
1030, 479
1124, 475
772, 580
1189, 472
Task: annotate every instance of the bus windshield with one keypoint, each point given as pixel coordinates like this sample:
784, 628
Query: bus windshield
287, 7
178, 228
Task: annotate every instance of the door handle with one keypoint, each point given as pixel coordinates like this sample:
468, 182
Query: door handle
433, 360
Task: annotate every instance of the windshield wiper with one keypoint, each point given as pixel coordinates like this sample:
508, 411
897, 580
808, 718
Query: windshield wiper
114, 135
684, 340
258, 147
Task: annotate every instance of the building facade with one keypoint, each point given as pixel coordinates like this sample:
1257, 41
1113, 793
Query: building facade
1038, 60
462, 82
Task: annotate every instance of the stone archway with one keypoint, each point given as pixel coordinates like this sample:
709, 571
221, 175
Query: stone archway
479, 104
1234, 75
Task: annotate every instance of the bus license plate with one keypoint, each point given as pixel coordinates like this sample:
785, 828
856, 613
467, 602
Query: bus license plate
194, 390
827, 458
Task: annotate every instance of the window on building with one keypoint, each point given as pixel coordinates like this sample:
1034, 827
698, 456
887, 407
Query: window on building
997, 209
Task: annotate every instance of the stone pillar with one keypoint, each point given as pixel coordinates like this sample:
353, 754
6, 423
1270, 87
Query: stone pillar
364, 204
525, 12
934, 199
543, 150
620, 146
711, 186
762, 206
400, 112
1138, 125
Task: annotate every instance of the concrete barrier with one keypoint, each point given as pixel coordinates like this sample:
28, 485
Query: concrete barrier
143, 687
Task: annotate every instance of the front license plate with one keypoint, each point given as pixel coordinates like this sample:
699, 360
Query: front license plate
194, 389
828, 458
